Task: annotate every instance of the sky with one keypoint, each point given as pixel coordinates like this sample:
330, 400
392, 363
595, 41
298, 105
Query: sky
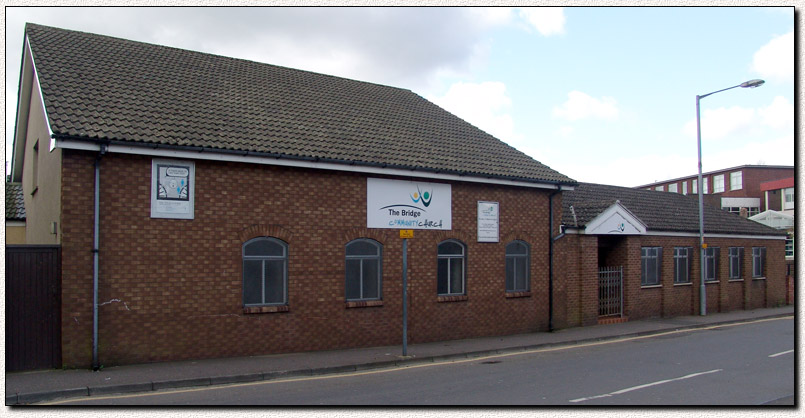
600, 94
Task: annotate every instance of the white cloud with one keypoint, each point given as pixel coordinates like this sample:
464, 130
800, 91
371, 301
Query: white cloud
490, 16
775, 60
481, 104
566, 131
547, 20
723, 122
628, 171
583, 106
779, 114
776, 151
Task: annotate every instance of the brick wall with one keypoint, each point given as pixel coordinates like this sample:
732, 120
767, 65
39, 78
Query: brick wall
172, 289
671, 299
751, 179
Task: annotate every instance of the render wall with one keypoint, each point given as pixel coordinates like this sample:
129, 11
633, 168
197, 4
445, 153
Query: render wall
15, 234
171, 289
41, 179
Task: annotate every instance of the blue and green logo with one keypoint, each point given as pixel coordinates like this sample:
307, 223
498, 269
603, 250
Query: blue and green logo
424, 197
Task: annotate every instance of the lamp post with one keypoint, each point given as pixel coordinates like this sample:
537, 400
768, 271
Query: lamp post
699, 187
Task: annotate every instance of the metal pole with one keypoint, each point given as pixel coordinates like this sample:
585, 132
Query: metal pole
700, 186
405, 296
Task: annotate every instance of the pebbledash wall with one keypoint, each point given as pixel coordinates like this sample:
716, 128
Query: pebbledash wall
577, 290
172, 289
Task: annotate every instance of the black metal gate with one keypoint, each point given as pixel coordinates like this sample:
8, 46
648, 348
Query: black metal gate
610, 291
33, 307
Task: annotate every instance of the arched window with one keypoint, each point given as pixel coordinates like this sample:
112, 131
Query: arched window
265, 272
451, 267
517, 266
364, 270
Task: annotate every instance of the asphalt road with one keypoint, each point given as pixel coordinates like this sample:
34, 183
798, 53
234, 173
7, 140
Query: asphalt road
743, 364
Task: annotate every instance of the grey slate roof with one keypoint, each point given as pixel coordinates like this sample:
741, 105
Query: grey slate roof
109, 89
15, 204
660, 211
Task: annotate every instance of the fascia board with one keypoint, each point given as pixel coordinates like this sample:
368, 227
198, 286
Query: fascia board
211, 155
616, 215
579, 231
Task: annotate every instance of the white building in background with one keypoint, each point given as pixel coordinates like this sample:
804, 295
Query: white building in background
780, 220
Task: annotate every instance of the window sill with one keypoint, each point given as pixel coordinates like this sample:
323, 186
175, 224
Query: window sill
712, 282
452, 298
735, 280
265, 309
651, 286
758, 278
683, 284
364, 303
511, 295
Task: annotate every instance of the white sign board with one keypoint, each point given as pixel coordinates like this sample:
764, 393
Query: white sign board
172, 189
488, 222
397, 204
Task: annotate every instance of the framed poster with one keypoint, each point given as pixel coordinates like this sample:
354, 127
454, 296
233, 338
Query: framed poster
488, 222
172, 189
398, 204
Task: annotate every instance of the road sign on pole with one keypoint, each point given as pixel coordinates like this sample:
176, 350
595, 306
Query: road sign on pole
405, 294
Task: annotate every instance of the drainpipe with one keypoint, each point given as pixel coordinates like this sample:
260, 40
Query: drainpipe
95, 363
550, 256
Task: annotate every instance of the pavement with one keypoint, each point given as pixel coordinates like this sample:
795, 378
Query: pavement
23, 388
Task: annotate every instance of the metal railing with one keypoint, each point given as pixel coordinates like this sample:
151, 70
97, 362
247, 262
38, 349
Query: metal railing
610, 291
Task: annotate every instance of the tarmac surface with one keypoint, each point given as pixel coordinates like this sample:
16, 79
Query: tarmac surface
23, 388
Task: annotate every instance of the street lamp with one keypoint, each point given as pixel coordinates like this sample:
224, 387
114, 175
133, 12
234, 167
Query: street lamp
702, 268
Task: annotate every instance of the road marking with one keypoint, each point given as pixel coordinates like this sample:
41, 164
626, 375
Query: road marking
413, 366
780, 354
659, 382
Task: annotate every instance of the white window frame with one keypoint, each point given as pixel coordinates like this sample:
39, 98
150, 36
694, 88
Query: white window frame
718, 183
685, 187
736, 180
453, 260
736, 255
788, 203
650, 266
672, 188
264, 259
513, 258
789, 246
660, 188
758, 262
711, 255
682, 262
363, 259
694, 186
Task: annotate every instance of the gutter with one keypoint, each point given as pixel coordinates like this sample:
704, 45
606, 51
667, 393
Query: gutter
70, 142
96, 231
551, 239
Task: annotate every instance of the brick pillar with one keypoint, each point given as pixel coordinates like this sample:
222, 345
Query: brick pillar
588, 275
667, 281
723, 280
631, 275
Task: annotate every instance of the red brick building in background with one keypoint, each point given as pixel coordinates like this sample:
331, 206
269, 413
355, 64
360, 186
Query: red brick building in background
236, 204
731, 189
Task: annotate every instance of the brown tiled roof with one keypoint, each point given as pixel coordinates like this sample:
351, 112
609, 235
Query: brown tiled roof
108, 89
15, 204
660, 211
